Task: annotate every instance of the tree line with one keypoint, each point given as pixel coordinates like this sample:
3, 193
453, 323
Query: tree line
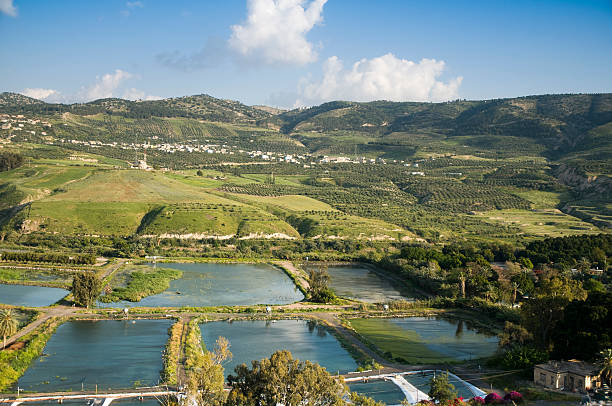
87, 259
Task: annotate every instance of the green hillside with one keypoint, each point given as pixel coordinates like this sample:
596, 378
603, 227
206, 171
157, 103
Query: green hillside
499, 170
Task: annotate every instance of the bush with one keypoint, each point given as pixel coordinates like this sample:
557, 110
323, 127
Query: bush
514, 396
523, 357
493, 399
477, 401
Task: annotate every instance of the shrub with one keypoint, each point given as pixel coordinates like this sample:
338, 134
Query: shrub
514, 396
493, 399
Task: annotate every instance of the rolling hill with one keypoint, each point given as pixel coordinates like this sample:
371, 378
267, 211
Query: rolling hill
498, 169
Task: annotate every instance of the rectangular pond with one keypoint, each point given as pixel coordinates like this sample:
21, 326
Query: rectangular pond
362, 283
379, 390
30, 296
109, 353
427, 339
421, 382
210, 284
255, 340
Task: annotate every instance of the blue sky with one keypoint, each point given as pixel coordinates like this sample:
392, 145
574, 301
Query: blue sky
303, 52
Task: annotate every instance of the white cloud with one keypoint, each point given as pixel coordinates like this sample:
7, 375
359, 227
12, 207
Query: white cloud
106, 85
40, 94
134, 4
383, 78
7, 7
275, 31
136, 94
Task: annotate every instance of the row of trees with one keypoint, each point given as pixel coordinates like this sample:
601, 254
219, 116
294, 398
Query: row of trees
52, 257
10, 160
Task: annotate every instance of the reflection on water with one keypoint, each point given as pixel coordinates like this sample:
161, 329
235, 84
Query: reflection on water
361, 283
209, 284
450, 337
421, 382
379, 390
32, 296
254, 340
109, 353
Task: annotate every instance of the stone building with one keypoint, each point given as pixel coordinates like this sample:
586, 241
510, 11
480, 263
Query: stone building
572, 375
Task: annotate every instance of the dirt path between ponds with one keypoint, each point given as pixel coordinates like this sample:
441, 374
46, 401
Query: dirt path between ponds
333, 322
181, 373
107, 272
298, 274
59, 311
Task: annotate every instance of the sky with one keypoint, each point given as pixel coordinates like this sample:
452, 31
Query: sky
292, 53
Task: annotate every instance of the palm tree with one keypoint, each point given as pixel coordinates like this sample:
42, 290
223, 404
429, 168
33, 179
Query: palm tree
8, 324
605, 363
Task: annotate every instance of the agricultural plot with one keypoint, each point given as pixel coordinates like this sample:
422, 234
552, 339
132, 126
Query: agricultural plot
540, 222
296, 203
38, 180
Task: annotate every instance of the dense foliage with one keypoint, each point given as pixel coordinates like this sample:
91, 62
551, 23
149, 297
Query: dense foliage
10, 160
86, 287
284, 380
52, 257
142, 284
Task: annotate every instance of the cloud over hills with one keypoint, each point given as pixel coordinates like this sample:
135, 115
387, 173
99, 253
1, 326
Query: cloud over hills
382, 78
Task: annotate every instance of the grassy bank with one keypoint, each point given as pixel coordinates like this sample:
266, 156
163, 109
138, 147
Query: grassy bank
171, 353
14, 363
143, 281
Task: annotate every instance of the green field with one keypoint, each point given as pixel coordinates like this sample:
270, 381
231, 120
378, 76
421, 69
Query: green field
541, 222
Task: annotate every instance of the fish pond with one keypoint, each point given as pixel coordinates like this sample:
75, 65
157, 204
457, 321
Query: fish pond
211, 284
379, 390
255, 340
362, 283
30, 296
427, 339
108, 353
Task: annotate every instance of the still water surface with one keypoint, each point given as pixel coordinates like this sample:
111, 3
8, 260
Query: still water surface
254, 340
31, 296
450, 337
210, 284
361, 283
110, 353
380, 391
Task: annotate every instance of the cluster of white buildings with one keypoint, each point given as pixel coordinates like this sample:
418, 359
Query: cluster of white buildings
20, 123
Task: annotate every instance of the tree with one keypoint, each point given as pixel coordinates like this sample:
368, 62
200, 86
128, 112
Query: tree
205, 377
542, 312
85, 288
585, 329
281, 379
319, 290
513, 335
605, 365
8, 325
462, 283
441, 390
362, 400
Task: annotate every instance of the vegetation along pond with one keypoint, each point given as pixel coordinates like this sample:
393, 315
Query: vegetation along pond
254, 340
361, 283
32, 296
210, 284
109, 353
427, 339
